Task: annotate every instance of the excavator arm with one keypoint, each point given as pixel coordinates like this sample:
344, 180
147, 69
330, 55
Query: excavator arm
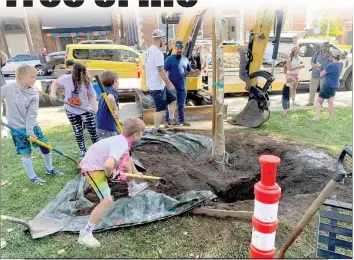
256, 111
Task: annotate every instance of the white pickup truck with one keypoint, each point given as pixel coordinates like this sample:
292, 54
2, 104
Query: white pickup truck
307, 47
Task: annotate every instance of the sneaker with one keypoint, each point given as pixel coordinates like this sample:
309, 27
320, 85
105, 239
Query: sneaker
54, 172
134, 189
37, 180
88, 240
159, 132
185, 123
170, 124
309, 104
82, 155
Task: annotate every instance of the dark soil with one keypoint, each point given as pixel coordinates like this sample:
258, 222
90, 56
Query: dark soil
302, 173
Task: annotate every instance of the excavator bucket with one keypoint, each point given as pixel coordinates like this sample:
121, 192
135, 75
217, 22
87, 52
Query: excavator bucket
255, 112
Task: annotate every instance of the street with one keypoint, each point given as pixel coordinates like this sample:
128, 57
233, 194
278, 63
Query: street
46, 118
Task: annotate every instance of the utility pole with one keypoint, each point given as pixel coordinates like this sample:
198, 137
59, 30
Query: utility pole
28, 32
218, 90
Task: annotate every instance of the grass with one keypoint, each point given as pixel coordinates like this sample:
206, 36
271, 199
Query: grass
332, 135
185, 236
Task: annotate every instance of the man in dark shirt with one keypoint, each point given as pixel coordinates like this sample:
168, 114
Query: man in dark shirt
177, 66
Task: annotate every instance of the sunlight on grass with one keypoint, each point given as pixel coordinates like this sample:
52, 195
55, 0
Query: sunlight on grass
332, 135
180, 237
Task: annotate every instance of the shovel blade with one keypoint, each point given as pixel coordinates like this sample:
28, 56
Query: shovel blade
44, 226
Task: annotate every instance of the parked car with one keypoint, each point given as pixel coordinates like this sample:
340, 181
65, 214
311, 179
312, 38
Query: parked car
35, 59
53, 60
97, 42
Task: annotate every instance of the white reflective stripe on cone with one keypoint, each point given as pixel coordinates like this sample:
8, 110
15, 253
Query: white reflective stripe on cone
266, 213
264, 242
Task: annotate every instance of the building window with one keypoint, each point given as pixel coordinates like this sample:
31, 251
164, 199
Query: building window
13, 26
163, 27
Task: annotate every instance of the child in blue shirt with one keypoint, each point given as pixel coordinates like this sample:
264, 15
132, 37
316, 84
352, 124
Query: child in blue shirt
106, 126
331, 82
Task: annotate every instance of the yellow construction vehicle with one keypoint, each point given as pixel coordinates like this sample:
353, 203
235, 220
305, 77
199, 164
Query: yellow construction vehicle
256, 112
189, 26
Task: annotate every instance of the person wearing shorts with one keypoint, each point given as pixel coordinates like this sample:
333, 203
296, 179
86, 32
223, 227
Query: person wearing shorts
99, 164
22, 102
331, 82
161, 88
293, 70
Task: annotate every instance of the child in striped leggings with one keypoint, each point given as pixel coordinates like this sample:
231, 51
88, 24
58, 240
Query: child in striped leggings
79, 92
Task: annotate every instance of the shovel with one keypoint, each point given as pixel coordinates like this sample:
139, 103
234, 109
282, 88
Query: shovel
137, 163
32, 139
38, 227
339, 176
138, 176
67, 103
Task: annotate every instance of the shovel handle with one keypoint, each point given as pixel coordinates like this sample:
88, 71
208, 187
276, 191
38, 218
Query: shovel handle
67, 103
104, 94
146, 177
15, 220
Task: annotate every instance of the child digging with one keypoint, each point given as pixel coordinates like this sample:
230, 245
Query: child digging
78, 92
106, 126
288, 86
98, 165
22, 102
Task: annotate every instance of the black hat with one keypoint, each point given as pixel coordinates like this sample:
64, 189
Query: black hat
69, 63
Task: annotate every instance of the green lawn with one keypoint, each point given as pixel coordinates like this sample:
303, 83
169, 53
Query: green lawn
332, 135
184, 236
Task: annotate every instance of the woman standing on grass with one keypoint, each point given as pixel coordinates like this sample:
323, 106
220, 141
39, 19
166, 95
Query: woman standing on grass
293, 66
78, 92
331, 82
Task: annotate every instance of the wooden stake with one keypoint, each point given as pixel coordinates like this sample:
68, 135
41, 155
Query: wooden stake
214, 76
218, 90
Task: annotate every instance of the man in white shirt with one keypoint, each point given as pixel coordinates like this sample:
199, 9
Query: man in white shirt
161, 88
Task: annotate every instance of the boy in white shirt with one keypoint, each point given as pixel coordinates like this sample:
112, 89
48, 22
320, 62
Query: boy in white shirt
98, 165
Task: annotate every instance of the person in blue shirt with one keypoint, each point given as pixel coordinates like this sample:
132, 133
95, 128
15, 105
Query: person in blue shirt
319, 62
177, 65
331, 82
106, 126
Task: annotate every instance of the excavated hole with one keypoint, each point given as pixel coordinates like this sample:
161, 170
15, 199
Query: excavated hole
302, 170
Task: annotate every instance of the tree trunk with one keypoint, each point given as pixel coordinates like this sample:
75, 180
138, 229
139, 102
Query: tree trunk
218, 90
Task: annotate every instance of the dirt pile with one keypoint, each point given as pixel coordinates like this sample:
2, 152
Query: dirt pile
303, 171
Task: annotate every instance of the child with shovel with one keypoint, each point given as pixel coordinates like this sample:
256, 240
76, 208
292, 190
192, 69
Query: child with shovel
99, 164
78, 92
106, 126
22, 102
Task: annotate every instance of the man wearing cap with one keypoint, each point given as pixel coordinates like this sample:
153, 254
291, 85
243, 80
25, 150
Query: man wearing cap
177, 66
319, 62
161, 88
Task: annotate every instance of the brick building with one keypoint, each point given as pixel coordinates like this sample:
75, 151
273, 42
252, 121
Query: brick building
139, 24
46, 32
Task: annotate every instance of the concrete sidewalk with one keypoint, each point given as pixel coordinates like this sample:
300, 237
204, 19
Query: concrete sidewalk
55, 116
